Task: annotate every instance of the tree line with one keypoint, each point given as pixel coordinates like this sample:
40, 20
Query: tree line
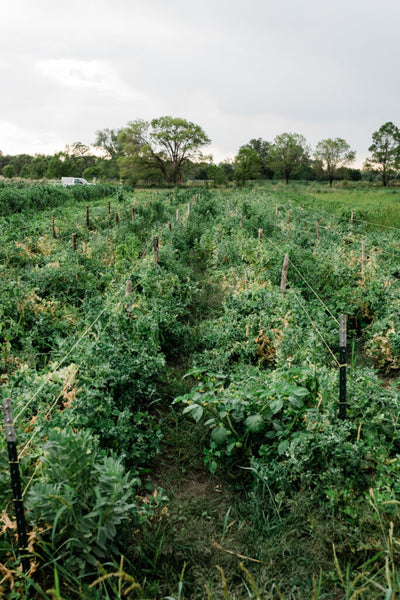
168, 150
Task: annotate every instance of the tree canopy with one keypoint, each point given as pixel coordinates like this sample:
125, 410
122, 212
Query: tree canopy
289, 154
385, 150
164, 145
334, 153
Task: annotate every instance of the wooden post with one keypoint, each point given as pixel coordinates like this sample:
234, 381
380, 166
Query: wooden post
170, 225
74, 242
133, 213
284, 274
109, 207
128, 288
352, 217
363, 255
342, 368
260, 235
317, 227
87, 216
116, 218
16, 482
276, 210
52, 227
188, 208
241, 220
155, 242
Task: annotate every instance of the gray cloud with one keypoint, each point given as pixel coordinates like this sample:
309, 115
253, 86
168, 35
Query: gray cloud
240, 70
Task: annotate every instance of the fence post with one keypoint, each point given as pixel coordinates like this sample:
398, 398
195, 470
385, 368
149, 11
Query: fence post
109, 207
284, 274
241, 220
116, 218
53, 229
133, 213
74, 242
260, 235
155, 242
16, 482
363, 255
128, 288
343, 366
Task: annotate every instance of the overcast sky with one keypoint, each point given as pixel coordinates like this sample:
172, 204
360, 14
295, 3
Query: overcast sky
241, 69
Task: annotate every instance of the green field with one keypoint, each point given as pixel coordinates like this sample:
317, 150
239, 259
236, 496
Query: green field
180, 437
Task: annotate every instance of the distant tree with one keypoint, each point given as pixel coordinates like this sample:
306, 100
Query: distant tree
385, 151
216, 174
228, 168
247, 165
107, 139
166, 145
289, 154
262, 147
9, 171
334, 154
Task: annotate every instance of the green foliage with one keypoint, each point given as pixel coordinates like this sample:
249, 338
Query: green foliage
85, 498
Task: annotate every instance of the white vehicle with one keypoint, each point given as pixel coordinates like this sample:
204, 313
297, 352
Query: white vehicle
74, 181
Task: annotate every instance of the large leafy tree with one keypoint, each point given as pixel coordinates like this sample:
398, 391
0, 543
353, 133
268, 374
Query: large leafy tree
385, 150
289, 154
247, 165
107, 139
334, 154
164, 145
262, 147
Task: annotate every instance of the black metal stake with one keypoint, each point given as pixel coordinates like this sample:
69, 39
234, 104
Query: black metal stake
343, 366
16, 483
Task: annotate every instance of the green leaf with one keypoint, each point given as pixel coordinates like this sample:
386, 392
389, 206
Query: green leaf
276, 405
255, 423
283, 446
296, 402
219, 435
213, 467
301, 392
197, 413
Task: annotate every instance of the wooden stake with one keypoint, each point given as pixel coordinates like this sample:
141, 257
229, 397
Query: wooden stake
241, 220
74, 241
284, 274
128, 288
363, 255
260, 235
342, 368
155, 242
116, 218
170, 225
276, 210
351, 218
133, 213
16, 483
52, 227
109, 207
